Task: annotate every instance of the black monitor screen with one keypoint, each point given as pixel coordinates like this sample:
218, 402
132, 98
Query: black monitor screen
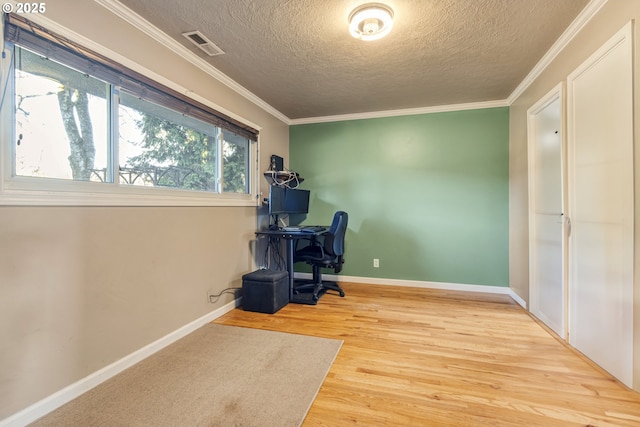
284, 201
296, 201
276, 200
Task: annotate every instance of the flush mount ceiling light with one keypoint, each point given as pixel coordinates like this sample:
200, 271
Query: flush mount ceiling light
371, 21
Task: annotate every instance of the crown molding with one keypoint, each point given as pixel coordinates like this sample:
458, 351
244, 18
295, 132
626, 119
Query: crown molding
563, 41
118, 9
404, 112
123, 12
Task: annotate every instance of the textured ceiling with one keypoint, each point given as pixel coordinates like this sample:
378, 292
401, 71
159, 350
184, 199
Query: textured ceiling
298, 55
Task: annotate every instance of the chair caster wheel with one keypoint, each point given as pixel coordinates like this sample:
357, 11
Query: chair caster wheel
342, 294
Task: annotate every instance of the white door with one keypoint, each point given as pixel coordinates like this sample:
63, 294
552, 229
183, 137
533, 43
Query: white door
600, 136
546, 212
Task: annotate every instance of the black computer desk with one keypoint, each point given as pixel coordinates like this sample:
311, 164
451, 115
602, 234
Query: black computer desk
290, 236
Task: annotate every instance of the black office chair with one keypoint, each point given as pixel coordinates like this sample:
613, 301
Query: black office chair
327, 251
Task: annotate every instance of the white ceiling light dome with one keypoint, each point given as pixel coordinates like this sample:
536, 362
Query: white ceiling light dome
371, 21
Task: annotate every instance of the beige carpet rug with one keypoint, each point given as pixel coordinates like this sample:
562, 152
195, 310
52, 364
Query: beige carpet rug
216, 376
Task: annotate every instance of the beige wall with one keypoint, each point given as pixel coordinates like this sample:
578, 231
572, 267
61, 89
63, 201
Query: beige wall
611, 18
82, 287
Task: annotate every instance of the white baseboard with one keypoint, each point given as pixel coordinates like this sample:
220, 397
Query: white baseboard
67, 394
517, 299
421, 284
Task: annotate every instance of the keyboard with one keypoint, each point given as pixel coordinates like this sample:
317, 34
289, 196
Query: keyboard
304, 228
313, 228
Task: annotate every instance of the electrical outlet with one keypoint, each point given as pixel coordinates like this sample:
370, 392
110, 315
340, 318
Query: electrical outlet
376, 263
211, 297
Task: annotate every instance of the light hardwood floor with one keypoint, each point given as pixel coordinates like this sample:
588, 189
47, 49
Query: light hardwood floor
422, 357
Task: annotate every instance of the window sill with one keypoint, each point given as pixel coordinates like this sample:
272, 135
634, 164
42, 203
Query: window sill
125, 198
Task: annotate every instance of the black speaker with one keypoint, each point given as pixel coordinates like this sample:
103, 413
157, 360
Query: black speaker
277, 163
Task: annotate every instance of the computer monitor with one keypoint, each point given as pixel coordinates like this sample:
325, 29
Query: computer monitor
296, 201
276, 200
284, 201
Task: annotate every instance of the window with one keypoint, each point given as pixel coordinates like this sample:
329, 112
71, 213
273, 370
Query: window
60, 120
159, 147
78, 126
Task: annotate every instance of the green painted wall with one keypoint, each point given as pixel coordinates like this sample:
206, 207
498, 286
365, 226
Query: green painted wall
426, 194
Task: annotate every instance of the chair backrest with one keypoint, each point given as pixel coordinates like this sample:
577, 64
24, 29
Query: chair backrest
334, 239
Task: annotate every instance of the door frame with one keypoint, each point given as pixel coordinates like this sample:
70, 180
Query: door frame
555, 94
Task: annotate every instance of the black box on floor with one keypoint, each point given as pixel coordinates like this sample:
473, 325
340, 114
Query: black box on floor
265, 291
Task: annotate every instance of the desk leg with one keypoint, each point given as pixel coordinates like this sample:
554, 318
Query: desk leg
290, 266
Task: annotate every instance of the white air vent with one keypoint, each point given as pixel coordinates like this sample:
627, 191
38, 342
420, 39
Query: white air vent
197, 38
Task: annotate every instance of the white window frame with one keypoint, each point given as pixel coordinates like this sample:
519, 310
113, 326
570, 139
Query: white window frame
37, 191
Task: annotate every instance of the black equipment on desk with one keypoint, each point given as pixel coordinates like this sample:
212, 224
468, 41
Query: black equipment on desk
277, 163
283, 201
